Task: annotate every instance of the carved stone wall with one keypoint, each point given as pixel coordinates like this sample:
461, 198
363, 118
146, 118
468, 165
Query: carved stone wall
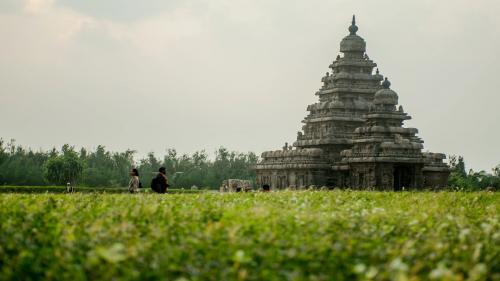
286, 178
292, 168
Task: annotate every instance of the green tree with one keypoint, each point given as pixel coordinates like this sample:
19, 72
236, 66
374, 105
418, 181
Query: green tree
20, 166
457, 165
64, 168
104, 168
148, 167
472, 180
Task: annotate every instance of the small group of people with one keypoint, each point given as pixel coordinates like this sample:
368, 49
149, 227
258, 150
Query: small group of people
159, 184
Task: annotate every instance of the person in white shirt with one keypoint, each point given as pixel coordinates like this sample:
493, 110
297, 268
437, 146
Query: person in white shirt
133, 185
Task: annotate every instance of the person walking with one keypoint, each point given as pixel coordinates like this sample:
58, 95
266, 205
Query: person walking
160, 184
134, 183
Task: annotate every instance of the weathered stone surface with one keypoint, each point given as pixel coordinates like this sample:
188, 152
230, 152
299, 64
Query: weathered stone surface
354, 135
234, 185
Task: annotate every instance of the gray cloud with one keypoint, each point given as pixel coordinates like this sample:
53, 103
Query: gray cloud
10, 6
120, 10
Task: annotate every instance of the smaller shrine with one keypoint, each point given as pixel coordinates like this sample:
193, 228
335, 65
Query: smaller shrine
384, 154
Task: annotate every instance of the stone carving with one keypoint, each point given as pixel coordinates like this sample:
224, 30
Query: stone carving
235, 185
285, 147
354, 135
325, 79
398, 138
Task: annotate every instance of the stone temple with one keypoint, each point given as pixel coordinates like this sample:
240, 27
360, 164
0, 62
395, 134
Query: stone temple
354, 135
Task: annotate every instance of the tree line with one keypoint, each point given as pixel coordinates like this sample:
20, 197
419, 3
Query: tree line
103, 168
472, 180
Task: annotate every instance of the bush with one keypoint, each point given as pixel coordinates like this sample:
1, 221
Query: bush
306, 235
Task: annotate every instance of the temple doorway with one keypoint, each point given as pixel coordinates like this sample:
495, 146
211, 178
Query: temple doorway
402, 177
282, 182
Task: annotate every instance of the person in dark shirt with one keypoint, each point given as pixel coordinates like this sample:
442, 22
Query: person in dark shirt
160, 184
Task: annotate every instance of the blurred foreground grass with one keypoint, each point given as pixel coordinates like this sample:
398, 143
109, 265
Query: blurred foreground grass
306, 235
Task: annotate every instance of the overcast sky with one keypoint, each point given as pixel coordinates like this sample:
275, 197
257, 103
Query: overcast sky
192, 75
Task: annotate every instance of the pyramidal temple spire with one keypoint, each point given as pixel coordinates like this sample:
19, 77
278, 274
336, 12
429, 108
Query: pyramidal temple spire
353, 28
354, 135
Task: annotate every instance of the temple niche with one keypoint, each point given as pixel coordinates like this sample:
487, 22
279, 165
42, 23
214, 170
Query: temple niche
354, 135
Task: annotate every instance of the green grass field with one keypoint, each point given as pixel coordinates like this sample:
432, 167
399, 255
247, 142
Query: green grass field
306, 235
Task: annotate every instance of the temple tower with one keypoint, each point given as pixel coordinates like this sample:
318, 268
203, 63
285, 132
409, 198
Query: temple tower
353, 136
344, 99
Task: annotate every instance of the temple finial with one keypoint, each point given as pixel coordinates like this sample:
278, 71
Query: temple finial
353, 28
386, 84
